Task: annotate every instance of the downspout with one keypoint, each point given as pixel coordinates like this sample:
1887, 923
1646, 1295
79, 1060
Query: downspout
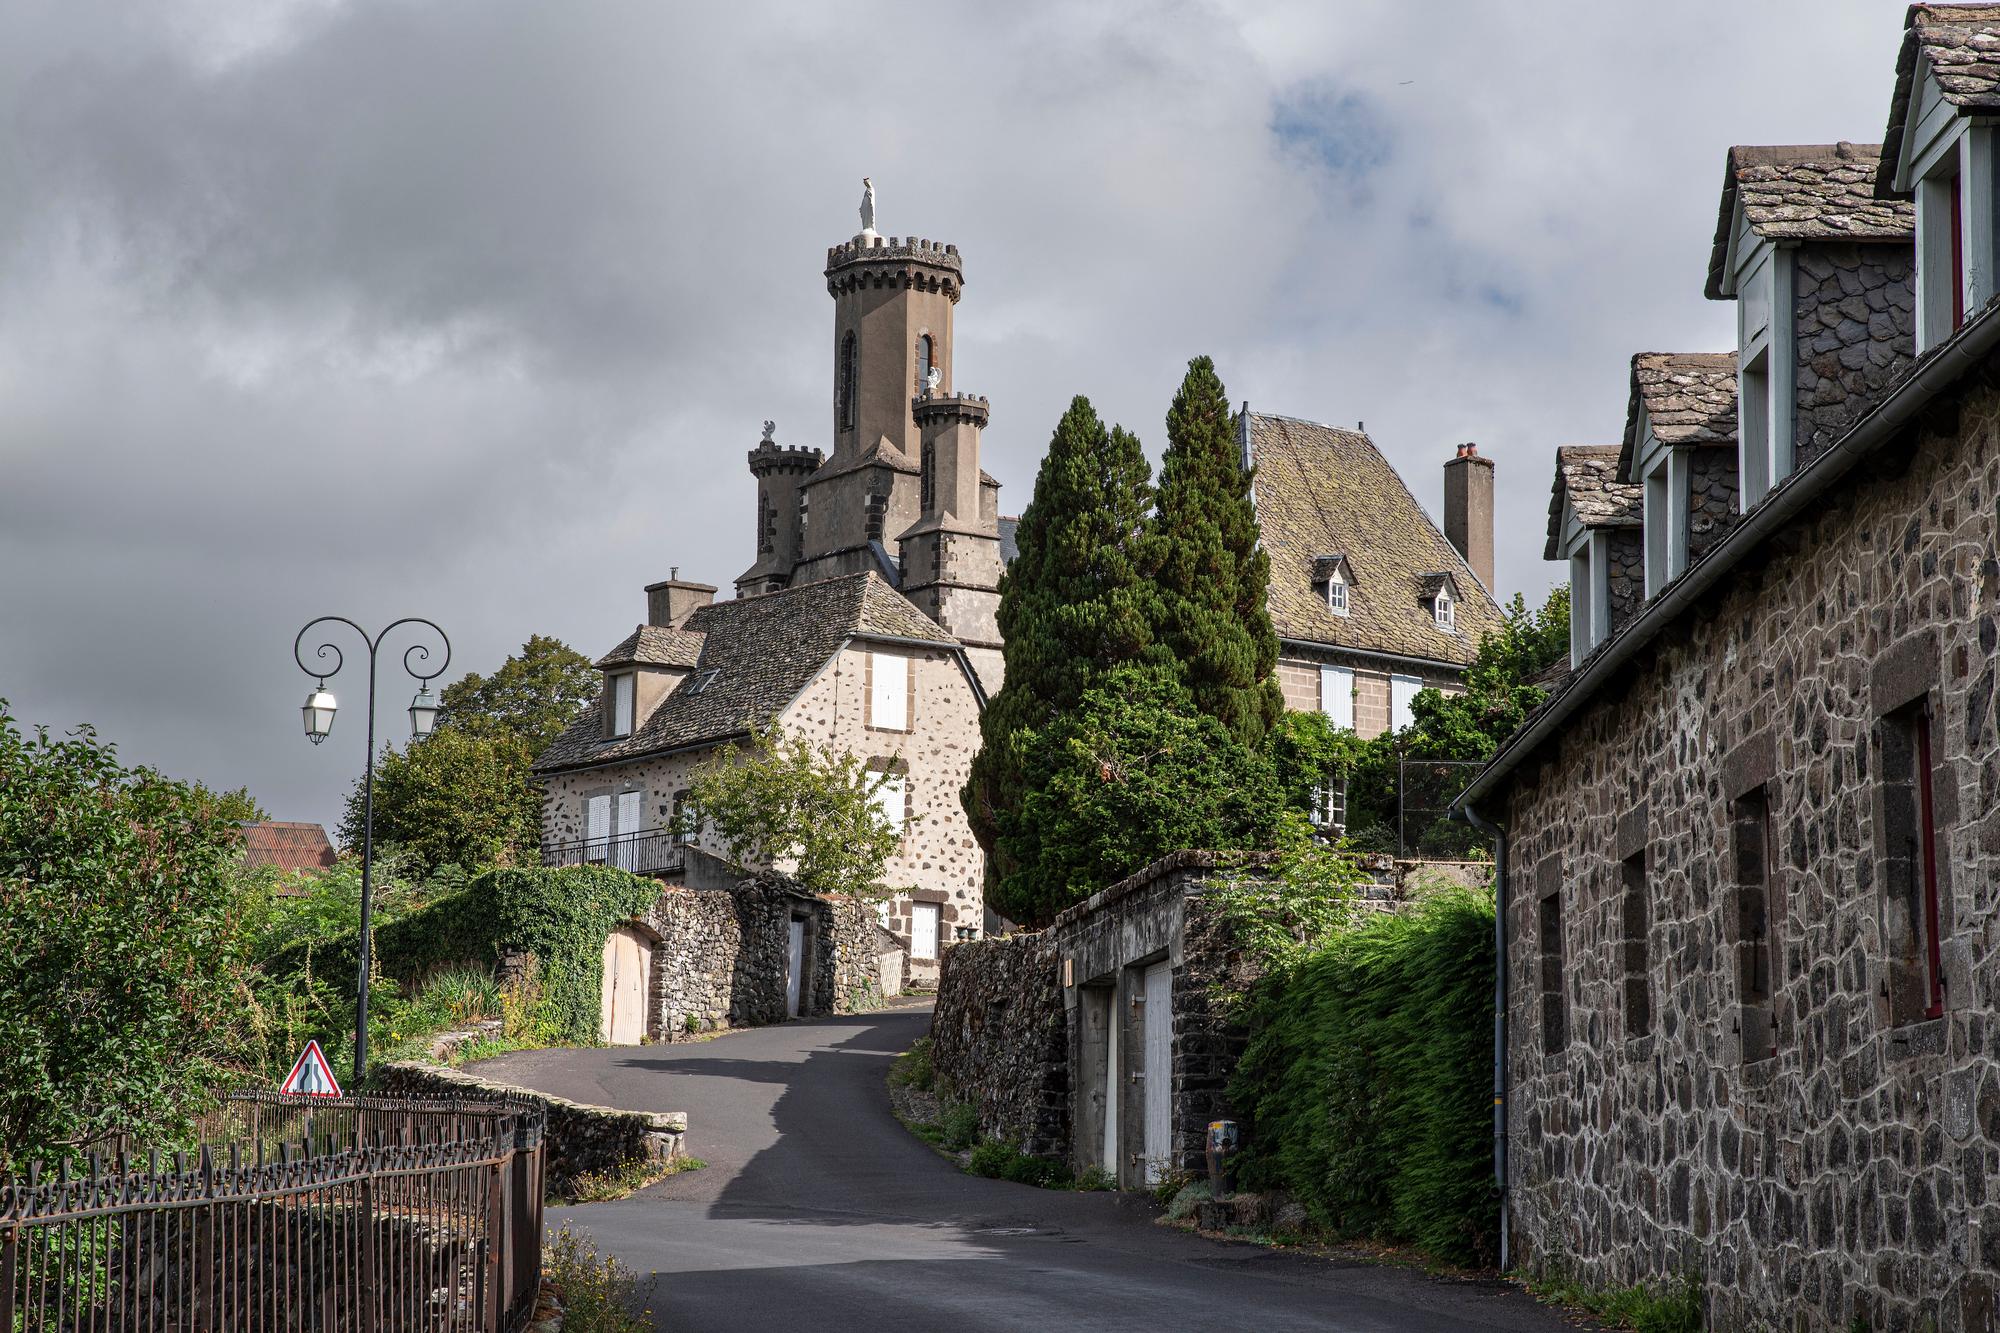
1499, 836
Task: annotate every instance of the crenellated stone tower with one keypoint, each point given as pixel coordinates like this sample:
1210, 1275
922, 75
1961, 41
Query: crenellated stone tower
902, 492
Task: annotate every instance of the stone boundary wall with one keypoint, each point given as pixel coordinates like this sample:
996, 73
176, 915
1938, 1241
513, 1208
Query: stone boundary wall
998, 1039
581, 1139
721, 956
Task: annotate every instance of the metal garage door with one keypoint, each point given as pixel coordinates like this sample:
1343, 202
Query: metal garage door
1159, 1069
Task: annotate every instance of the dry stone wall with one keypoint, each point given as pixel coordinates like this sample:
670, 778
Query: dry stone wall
1712, 493
998, 1040
1853, 1177
581, 1139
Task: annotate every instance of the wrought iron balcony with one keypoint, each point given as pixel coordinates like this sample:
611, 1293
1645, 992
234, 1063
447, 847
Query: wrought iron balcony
648, 852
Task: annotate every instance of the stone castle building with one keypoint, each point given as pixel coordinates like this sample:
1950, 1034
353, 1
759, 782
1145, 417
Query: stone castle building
868, 620
1751, 848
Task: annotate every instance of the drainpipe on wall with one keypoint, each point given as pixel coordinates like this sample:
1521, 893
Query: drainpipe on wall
1499, 836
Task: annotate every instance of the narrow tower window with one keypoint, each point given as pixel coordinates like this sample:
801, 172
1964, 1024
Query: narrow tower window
1912, 907
1758, 938
844, 389
923, 363
1638, 965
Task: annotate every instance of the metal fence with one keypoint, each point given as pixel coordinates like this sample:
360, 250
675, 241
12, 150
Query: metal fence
366, 1214
654, 852
1425, 829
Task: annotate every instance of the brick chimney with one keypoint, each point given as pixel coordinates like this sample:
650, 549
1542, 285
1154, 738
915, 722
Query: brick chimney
1468, 510
671, 602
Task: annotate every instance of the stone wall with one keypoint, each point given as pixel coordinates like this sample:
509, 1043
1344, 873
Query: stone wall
1855, 324
580, 1139
1854, 1174
721, 957
1626, 563
1712, 492
998, 1041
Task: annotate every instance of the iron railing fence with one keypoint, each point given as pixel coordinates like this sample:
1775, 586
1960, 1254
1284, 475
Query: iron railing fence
651, 852
1425, 829
365, 1214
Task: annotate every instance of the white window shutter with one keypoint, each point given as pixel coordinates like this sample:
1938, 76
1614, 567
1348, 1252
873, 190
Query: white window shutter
1402, 689
889, 692
621, 705
631, 805
1336, 695
597, 818
890, 798
923, 930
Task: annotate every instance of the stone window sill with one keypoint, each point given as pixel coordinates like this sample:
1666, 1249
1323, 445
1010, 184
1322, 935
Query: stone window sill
1914, 1041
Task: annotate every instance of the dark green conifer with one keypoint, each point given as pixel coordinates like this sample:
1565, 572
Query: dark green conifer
1211, 572
1076, 603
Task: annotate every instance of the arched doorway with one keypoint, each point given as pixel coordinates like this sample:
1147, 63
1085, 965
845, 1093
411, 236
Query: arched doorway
628, 987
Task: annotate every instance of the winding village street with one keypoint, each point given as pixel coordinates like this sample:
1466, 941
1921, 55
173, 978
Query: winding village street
819, 1210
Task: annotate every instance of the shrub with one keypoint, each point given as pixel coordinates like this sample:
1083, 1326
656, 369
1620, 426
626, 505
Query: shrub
959, 1126
1367, 1080
1671, 1307
914, 1069
999, 1160
597, 1291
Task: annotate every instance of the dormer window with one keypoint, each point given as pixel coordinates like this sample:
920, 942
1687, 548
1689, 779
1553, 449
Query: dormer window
621, 688
1941, 231
1444, 612
1332, 578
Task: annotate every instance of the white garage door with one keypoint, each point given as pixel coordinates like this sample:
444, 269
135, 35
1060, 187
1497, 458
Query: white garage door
1159, 1070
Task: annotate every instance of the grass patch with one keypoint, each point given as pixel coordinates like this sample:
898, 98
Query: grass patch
912, 1069
1671, 1307
597, 1292
1005, 1161
618, 1183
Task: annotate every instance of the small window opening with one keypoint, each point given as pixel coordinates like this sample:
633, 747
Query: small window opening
923, 363
1336, 594
844, 384
703, 680
1555, 1035
1446, 613
1912, 904
1638, 962
1757, 934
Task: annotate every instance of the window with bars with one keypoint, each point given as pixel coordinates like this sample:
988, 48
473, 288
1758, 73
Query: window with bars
1638, 920
1555, 1016
1756, 934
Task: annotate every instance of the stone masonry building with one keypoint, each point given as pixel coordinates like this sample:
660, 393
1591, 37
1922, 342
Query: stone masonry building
1752, 847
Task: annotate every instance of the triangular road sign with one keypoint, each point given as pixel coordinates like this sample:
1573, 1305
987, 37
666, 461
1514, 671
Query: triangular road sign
311, 1076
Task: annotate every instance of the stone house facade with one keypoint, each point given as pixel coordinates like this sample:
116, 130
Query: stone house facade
1372, 601
1750, 851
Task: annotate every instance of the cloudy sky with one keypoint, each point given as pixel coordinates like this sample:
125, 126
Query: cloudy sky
471, 308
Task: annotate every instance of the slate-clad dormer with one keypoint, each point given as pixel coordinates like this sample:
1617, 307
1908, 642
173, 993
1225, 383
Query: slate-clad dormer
1939, 153
1594, 523
1823, 276
1680, 450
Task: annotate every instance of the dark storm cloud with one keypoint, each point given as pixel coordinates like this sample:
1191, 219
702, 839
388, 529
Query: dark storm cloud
470, 308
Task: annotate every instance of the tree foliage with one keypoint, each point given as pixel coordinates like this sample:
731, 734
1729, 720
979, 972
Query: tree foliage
1213, 575
119, 968
802, 807
455, 798
1076, 603
466, 795
235, 807
1131, 773
533, 695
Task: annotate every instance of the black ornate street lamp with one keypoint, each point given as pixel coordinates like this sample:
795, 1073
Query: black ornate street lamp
318, 710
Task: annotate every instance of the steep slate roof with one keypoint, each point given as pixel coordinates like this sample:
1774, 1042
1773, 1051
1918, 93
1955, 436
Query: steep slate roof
763, 651
287, 844
1322, 491
655, 645
1587, 478
1801, 192
1962, 43
1689, 398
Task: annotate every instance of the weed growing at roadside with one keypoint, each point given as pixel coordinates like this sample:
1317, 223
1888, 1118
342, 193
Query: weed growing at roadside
998, 1160
1671, 1307
913, 1069
1095, 1178
958, 1127
597, 1292
617, 1183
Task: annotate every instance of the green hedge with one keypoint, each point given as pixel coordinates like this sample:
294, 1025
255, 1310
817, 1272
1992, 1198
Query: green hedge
561, 916
1367, 1084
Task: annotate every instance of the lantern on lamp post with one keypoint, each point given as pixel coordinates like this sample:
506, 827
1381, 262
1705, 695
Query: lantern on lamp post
318, 712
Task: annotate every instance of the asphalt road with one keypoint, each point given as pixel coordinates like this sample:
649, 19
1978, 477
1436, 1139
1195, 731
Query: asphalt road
819, 1211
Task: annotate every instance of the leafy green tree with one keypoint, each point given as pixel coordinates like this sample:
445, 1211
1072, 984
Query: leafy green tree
1213, 575
238, 806
120, 970
804, 808
1130, 774
533, 695
456, 798
1307, 752
1076, 603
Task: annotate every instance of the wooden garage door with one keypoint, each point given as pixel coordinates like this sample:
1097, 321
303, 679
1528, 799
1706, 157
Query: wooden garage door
1159, 1079
628, 978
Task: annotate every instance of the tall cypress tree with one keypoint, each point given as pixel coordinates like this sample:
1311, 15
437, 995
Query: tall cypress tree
1076, 602
1212, 575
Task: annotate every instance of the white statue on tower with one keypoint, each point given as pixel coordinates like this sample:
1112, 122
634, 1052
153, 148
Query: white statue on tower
867, 207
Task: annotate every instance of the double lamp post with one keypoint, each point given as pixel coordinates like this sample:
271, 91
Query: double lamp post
319, 709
